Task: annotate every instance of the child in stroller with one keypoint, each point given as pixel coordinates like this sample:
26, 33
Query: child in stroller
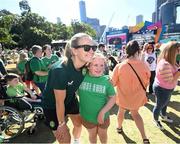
17, 108
17, 89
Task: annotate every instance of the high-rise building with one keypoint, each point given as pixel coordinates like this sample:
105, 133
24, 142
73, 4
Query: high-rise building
58, 20
158, 3
166, 13
164, 5
154, 17
93, 22
82, 8
139, 19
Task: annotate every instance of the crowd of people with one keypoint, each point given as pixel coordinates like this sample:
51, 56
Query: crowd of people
76, 83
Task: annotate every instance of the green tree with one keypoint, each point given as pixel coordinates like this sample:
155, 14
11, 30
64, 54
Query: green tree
61, 31
5, 37
4, 12
24, 6
35, 30
35, 36
6, 21
30, 28
82, 27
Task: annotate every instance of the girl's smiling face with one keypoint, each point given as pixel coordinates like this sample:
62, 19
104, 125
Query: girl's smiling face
97, 66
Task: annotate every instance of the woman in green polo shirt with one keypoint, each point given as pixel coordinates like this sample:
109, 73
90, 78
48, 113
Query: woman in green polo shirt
64, 78
49, 58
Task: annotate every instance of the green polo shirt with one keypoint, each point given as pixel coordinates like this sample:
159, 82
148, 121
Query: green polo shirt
36, 64
49, 61
62, 77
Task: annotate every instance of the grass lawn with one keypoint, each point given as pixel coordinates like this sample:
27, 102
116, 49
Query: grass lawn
170, 135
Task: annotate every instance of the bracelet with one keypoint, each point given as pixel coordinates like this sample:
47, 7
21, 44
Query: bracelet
61, 124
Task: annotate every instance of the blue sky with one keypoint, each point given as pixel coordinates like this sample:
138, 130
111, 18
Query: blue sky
125, 11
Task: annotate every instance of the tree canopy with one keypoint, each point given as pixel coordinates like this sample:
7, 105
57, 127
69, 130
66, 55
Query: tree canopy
30, 28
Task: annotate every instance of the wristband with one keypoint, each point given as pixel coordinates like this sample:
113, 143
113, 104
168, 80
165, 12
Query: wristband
61, 124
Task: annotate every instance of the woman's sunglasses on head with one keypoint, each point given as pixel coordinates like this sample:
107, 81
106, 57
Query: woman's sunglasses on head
87, 47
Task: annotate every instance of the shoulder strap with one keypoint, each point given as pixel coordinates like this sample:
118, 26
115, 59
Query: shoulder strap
137, 76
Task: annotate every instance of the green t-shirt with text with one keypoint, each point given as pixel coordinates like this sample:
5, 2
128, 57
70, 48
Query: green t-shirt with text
94, 93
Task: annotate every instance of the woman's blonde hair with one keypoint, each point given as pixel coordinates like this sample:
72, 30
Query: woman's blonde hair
73, 43
169, 52
67, 51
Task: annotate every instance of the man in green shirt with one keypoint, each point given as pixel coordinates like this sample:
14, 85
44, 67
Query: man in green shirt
38, 68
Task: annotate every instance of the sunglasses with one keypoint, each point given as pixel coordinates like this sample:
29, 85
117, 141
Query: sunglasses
87, 47
149, 48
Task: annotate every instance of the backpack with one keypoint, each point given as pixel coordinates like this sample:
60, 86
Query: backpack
28, 74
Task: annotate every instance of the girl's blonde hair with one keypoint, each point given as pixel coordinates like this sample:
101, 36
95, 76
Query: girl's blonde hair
169, 52
98, 55
23, 56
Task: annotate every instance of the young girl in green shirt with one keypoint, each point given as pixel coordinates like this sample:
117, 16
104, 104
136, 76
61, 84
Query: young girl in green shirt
23, 57
97, 96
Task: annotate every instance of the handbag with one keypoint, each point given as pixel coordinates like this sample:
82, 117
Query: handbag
137, 76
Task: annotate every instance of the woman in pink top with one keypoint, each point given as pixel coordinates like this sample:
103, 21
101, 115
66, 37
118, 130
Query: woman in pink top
167, 75
130, 93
